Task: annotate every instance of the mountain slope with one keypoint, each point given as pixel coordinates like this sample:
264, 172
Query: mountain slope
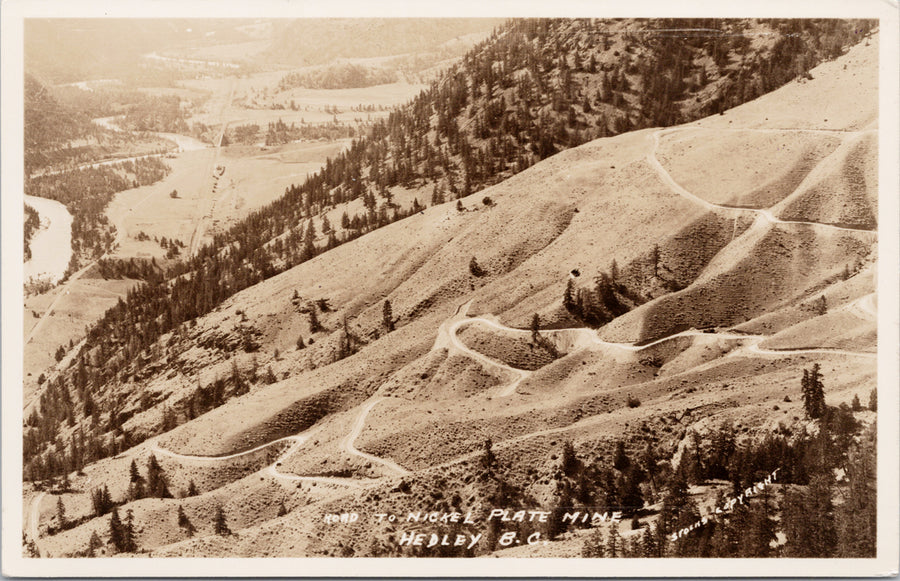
236, 378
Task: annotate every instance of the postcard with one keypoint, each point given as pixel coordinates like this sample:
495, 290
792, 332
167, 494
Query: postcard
421, 290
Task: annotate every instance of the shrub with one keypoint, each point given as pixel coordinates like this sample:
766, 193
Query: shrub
633, 402
475, 268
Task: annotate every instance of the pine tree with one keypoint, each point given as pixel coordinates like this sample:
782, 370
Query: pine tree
613, 542
855, 519
136, 484
192, 489
129, 544
808, 520
621, 460
654, 259
594, 545
813, 392
569, 296
221, 526
535, 327
116, 531
185, 523
157, 484
873, 401
61, 513
387, 316
282, 510
93, 544
314, 325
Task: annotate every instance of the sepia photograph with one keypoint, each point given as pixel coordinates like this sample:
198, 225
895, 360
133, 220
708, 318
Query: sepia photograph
550, 293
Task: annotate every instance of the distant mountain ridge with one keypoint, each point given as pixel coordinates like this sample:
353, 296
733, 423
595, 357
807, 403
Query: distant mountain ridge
309, 41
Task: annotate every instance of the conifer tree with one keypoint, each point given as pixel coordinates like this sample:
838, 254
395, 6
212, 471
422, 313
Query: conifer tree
185, 523
594, 545
116, 531
808, 520
387, 316
487, 456
157, 484
221, 526
136, 484
129, 544
61, 513
314, 325
93, 544
613, 542
855, 518
569, 296
813, 392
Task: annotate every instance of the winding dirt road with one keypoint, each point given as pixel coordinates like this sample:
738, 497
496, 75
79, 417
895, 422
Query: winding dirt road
752, 347
34, 521
298, 440
765, 213
358, 425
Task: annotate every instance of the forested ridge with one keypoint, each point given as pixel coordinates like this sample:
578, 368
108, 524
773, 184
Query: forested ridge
534, 88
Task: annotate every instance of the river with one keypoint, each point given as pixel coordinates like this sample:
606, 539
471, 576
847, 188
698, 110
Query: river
51, 245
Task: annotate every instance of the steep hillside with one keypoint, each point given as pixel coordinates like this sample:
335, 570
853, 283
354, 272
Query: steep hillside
475, 126
390, 372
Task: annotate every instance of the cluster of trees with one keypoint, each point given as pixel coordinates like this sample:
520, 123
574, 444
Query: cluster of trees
32, 223
812, 523
86, 192
49, 124
339, 76
155, 485
162, 113
121, 533
818, 513
599, 305
279, 132
135, 268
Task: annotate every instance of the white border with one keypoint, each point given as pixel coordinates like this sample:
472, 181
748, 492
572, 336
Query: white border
11, 164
